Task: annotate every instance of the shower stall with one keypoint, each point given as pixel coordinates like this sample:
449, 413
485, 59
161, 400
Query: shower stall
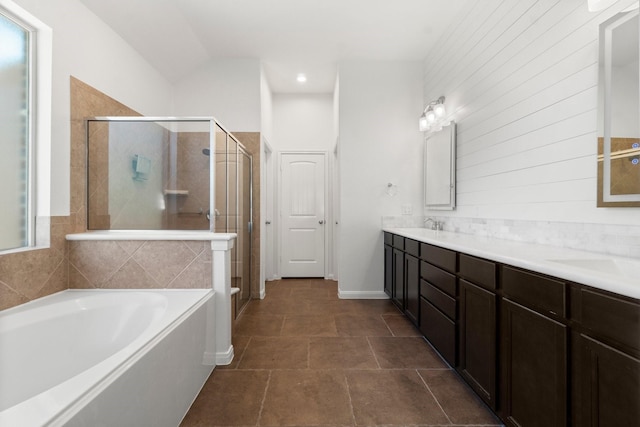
168, 173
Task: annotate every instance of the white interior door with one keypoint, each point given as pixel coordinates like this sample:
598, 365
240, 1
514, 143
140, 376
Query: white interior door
302, 212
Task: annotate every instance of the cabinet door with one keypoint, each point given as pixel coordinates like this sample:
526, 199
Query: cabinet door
609, 382
477, 340
533, 368
412, 279
439, 330
398, 279
388, 270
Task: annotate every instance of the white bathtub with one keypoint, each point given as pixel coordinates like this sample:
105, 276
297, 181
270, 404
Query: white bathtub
105, 357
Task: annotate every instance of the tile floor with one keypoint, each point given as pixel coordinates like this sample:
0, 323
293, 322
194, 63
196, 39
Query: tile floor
303, 357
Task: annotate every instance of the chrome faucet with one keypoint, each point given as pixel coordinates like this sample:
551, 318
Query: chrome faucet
435, 225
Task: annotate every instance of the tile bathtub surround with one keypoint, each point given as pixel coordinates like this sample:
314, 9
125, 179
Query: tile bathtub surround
139, 264
303, 357
612, 239
25, 276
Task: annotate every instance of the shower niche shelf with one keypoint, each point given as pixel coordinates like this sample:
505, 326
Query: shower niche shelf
176, 193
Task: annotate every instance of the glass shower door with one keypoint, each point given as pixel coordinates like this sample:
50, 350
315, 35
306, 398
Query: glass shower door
245, 225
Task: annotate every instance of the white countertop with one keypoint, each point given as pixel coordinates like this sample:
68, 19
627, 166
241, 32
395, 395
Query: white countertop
607, 272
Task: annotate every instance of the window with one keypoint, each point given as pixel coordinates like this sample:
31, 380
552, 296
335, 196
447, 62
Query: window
25, 122
15, 128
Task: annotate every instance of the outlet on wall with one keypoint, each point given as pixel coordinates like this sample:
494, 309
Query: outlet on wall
407, 209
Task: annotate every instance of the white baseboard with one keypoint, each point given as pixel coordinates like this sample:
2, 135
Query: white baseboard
362, 294
224, 357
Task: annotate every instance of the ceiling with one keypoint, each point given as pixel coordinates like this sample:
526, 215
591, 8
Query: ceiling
288, 36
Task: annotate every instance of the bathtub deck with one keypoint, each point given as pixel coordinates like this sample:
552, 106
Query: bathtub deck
304, 357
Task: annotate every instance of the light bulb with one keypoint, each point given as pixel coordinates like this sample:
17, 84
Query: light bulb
431, 116
439, 110
424, 126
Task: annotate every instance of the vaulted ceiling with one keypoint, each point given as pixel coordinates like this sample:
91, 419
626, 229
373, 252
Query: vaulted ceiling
288, 36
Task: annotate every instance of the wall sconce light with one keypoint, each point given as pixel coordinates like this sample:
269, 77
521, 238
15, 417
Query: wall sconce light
433, 116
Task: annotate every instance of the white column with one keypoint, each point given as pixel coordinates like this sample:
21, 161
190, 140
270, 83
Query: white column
221, 245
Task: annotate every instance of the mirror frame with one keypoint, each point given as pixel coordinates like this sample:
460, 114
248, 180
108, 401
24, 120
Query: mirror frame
605, 199
440, 153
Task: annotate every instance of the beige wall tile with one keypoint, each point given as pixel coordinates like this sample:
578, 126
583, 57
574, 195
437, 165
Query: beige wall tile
164, 260
9, 297
131, 276
96, 260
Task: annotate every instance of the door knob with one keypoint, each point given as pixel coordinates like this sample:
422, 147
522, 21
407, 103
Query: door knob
321, 222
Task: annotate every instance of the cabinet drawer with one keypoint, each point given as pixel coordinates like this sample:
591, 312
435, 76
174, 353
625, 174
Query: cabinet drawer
388, 238
535, 291
439, 278
441, 257
439, 299
412, 247
611, 318
479, 271
439, 330
398, 242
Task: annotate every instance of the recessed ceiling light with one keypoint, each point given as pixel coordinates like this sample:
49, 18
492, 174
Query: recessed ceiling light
302, 78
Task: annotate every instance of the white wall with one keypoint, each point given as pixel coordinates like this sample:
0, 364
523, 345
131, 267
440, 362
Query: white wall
267, 267
266, 107
303, 122
379, 106
227, 89
86, 48
521, 81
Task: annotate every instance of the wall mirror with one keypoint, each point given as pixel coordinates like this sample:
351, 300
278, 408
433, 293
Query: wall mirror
440, 169
619, 112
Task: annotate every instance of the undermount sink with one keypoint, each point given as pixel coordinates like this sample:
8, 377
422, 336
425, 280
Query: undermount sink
620, 267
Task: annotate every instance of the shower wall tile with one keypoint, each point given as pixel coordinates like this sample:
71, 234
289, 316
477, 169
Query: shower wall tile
189, 170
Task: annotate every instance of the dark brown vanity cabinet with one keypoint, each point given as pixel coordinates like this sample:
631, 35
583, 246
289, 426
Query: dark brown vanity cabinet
402, 274
534, 350
605, 359
438, 305
478, 335
397, 285
412, 280
538, 350
388, 264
